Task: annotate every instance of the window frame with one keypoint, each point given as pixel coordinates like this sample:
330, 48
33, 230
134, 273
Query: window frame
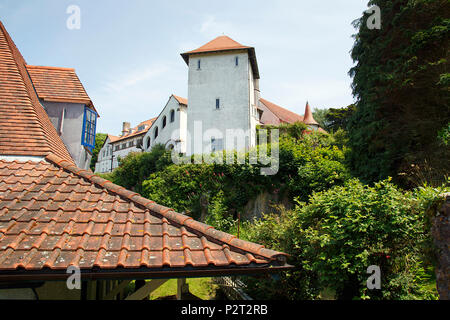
89, 128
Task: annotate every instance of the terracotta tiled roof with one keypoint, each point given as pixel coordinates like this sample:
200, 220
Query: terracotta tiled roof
52, 215
219, 44
283, 114
113, 138
224, 43
58, 84
135, 132
181, 100
25, 129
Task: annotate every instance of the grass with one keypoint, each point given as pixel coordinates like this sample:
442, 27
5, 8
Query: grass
203, 288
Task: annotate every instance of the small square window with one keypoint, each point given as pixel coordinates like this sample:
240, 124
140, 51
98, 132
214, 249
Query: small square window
216, 144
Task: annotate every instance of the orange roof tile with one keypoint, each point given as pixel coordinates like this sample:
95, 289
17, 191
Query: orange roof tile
224, 43
52, 215
283, 114
181, 100
25, 128
58, 85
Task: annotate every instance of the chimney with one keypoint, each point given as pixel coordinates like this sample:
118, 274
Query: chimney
125, 128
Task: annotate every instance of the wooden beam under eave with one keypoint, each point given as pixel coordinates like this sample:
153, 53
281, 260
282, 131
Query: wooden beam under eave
145, 291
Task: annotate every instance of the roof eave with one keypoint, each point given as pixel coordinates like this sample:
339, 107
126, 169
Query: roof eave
141, 273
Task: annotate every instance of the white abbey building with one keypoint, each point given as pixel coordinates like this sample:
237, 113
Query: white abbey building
223, 106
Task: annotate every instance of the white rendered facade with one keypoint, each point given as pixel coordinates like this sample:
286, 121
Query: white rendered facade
169, 129
221, 95
103, 164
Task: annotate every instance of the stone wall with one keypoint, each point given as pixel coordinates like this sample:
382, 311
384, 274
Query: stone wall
265, 203
441, 234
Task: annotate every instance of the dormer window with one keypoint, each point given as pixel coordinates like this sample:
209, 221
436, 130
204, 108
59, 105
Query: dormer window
89, 124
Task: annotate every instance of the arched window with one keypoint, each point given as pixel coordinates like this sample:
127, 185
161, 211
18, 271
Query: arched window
172, 115
164, 121
156, 132
147, 144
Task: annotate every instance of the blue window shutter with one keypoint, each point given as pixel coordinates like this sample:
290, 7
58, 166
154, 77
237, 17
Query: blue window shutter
89, 128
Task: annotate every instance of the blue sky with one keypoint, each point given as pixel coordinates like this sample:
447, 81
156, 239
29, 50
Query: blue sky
127, 53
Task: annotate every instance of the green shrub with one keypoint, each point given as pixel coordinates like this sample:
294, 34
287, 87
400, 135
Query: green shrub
220, 191
137, 166
342, 231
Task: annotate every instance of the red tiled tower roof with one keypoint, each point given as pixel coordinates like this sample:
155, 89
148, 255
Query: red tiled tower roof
25, 129
221, 44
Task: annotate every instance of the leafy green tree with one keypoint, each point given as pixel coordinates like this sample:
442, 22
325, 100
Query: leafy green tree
320, 115
99, 140
338, 118
401, 83
138, 166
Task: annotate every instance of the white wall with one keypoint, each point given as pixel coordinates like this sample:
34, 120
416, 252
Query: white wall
218, 77
72, 126
104, 158
173, 133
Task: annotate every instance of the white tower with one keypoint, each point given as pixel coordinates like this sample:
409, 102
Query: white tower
223, 93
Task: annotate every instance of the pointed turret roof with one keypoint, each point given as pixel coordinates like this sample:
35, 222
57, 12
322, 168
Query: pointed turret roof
224, 43
308, 117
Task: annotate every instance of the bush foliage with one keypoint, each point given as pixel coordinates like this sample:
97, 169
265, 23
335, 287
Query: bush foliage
341, 231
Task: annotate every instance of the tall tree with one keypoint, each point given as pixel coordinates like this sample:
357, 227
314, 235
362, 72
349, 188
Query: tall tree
401, 82
320, 115
339, 118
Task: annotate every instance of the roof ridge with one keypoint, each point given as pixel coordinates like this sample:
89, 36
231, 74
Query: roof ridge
49, 67
169, 213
